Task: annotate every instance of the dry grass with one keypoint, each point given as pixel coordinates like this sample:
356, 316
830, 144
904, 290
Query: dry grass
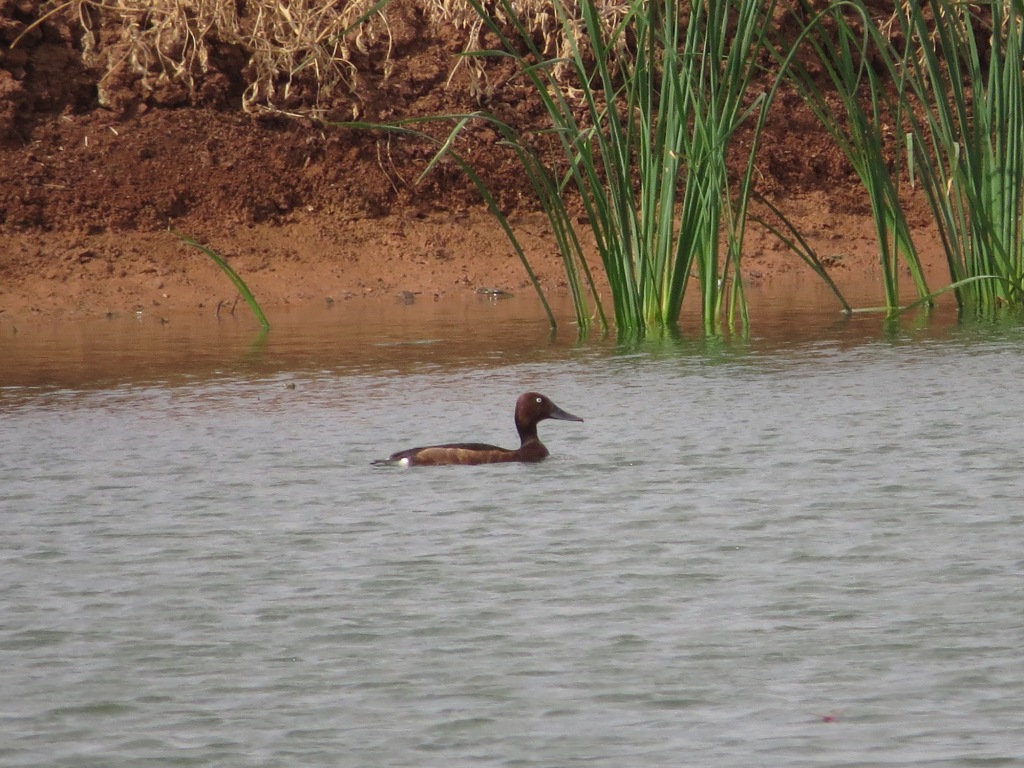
298, 54
287, 45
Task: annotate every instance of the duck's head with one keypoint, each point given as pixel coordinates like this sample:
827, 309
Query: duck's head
533, 407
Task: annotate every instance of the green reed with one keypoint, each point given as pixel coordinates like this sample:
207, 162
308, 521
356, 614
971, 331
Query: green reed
963, 67
239, 283
859, 125
957, 117
645, 121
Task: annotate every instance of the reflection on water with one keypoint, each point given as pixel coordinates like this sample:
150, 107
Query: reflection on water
798, 547
390, 336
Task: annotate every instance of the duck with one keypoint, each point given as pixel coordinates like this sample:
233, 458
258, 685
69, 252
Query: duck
531, 408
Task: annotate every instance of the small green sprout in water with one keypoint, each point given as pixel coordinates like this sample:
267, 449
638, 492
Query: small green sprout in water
243, 289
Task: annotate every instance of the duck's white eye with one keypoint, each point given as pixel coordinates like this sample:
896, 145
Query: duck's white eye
540, 399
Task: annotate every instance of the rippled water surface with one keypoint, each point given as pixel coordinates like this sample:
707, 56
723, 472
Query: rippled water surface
805, 547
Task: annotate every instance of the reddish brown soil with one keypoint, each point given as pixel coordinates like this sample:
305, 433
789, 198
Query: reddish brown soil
304, 211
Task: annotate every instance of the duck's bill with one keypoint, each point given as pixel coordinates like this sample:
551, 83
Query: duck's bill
558, 413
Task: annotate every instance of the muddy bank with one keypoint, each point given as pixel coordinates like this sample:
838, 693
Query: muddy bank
94, 171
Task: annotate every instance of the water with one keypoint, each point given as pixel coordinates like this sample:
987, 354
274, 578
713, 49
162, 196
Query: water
804, 548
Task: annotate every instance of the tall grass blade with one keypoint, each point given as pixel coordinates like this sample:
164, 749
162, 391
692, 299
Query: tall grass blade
796, 243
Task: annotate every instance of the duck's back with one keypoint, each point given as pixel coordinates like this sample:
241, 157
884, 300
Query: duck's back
466, 453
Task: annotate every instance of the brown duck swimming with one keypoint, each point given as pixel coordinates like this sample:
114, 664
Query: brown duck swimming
530, 409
